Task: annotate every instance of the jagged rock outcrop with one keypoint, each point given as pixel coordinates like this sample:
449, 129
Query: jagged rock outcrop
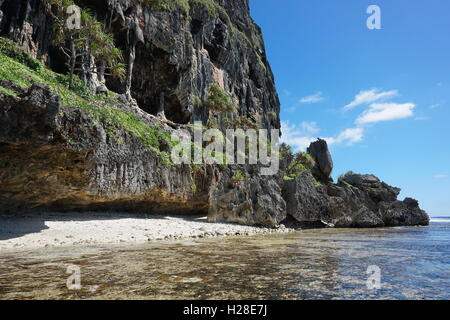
377, 190
361, 201
31, 118
324, 163
403, 213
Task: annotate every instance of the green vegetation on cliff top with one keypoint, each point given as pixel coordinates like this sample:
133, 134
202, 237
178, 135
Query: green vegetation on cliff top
214, 9
22, 70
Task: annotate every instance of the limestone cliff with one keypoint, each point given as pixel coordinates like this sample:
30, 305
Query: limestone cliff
64, 149
79, 162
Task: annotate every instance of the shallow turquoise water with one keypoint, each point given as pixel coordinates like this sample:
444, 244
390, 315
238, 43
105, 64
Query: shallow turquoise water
414, 263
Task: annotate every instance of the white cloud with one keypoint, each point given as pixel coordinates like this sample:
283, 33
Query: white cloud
300, 136
348, 136
292, 136
421, 118
370, 96
300, 139
315, 98
379, 112
441, 176
310, 127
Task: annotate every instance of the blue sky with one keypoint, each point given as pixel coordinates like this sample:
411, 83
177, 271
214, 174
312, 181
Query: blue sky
380, 97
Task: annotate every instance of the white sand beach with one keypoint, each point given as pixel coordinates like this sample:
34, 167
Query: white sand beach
28, 231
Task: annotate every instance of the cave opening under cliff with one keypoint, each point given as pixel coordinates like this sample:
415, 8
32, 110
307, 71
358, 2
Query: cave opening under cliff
155, 81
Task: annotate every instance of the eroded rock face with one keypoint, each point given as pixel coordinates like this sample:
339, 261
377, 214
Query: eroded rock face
57, 157
353, 207
254, 200
28, 23
31, 118
305, 201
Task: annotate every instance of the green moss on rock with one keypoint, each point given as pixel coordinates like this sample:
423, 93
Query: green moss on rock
7, 92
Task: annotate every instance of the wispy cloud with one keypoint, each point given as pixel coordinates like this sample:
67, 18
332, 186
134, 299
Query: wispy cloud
370, 96
315, 98
287, 93
379, 112
440, 176
434, 106
310, 127
421, 118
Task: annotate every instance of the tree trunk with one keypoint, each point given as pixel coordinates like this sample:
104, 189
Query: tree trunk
131, 58
73, 61
160, 112
101, 73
